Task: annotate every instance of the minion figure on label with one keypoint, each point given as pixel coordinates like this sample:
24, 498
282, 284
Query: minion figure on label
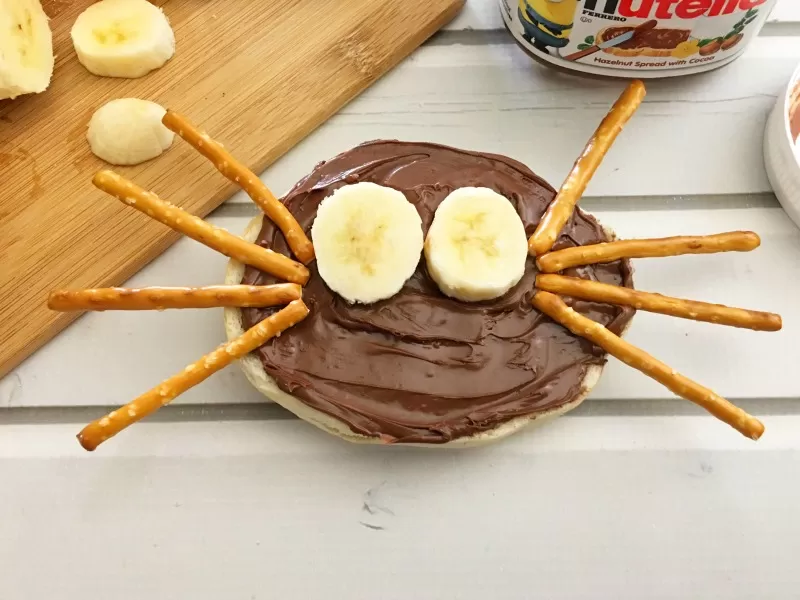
547, 23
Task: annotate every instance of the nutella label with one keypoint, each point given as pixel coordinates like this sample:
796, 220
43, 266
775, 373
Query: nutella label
635, 38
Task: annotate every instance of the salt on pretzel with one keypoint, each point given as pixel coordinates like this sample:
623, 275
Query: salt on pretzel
554, 307
238, 173
159, 298
561, 208
96, 432
732, 241
196, 228
595, 291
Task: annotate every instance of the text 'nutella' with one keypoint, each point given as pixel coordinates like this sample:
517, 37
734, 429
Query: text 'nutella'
635, 38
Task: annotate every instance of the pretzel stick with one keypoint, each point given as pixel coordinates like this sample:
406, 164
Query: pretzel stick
238, 173
196, 228
159, 298
562, 207
665, 305
96, 432
554, 307
734, 241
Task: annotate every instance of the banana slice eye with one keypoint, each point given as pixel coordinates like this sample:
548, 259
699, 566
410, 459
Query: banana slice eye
471, 236
476, 247
368, 241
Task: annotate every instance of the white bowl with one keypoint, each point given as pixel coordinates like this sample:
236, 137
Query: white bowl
782, 149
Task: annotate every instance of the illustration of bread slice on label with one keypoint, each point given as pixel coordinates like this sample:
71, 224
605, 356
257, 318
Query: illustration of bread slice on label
653, 42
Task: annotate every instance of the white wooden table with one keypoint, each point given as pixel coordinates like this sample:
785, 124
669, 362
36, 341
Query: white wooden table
635, 495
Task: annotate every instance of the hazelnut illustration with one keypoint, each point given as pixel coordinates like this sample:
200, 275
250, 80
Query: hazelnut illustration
711, 48
731, 41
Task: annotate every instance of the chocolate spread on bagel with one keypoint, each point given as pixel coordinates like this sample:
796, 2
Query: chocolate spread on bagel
422, 367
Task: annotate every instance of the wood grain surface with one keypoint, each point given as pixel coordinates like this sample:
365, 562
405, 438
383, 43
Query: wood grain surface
258, 76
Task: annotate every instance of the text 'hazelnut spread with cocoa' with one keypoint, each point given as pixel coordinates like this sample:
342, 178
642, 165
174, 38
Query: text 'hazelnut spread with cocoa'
420, 366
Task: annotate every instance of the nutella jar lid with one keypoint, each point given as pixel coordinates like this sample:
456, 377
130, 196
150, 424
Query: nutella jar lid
635, 38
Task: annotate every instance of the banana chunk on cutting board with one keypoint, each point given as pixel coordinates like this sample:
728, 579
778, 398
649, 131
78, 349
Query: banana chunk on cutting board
368, 241
123, 38
476, 247
26, 48
128, 131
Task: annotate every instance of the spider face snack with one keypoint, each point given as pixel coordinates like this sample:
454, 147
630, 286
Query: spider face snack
450, 297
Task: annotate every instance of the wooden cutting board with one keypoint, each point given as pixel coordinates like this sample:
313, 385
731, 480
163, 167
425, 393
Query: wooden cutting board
258, 76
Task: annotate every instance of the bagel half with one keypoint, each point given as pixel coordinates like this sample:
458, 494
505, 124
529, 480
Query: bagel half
263, 382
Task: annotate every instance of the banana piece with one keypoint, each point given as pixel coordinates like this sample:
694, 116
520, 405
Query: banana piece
26, 48
123, 38
368, 241
128, 131
476, 247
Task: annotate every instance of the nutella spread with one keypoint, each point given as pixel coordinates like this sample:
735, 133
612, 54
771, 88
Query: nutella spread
635, 38
420, 366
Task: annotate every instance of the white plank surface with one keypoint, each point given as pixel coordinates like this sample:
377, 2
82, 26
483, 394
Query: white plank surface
698, 135
734, 362
624, 508
478, 15
786, 11
485, 14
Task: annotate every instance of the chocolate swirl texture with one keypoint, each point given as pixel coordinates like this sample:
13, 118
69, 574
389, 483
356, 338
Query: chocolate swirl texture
422, 367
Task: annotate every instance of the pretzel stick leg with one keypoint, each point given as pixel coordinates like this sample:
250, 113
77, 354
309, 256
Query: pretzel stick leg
554, 307
238, 173
665, 305
96, 432
732, 241
159, 298
196, 228
561, 208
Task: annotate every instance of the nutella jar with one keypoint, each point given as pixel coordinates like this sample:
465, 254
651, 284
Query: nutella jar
635, 38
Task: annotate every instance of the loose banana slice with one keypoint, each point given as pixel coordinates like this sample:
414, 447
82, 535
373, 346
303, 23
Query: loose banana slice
128, 131
476, 247
26, 48
123, 38
368, 241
